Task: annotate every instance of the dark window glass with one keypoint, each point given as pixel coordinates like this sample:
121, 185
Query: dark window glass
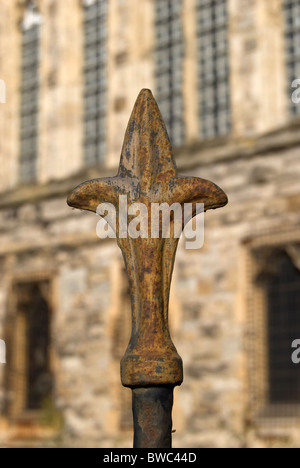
29, 104
283, 293
169, 52
95, 77
213, 68
291, 9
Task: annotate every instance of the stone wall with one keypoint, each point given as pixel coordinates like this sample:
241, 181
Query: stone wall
211, 286
40, 235
130, 68
258, 88
208, 308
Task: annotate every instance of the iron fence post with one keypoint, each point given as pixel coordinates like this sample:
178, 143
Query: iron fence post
151, 366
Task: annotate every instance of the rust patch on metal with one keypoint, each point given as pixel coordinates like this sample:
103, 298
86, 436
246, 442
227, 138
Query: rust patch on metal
152, 416
148, 174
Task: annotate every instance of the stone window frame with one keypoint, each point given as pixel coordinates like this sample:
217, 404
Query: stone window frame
14, 379
95, 28
30, 88
213, 68
256, 360
169, 62
291, 18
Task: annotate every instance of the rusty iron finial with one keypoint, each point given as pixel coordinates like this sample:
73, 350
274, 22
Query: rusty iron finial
147, 174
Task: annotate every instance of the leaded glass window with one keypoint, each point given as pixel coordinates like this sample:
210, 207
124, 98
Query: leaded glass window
29, 96
292, 46
213, 68
95, 77
273, 300
169, 52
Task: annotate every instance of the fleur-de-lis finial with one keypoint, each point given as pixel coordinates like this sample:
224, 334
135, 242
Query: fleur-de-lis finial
148, 174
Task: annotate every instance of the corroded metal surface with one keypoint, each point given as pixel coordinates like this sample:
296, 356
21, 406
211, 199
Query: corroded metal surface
152, 416
148, 174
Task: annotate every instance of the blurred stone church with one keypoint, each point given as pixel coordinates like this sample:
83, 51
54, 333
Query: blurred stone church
222, 74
